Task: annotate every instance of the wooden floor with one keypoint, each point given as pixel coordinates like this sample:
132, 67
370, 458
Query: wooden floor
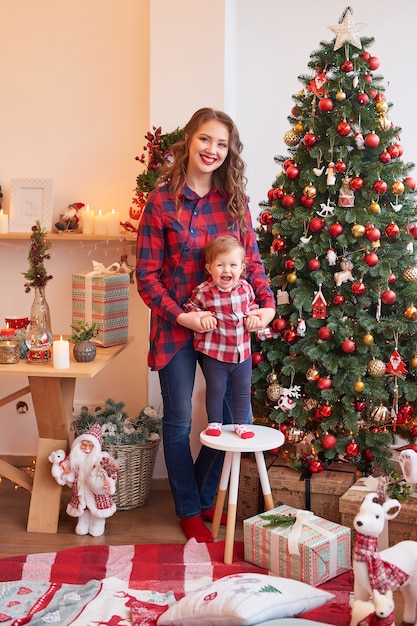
155, 522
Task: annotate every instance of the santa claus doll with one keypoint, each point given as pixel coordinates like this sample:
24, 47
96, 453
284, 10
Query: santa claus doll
92, 474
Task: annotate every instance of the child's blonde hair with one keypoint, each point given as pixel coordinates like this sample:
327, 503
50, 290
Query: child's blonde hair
220, 245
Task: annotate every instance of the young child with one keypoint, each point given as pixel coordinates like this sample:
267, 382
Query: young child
231, 314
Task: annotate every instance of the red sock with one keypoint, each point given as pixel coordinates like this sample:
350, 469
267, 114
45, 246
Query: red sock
244, 431
208, 515
214, 429
194, 528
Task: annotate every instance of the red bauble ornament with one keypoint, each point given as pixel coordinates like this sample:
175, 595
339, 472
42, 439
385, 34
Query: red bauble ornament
313, 265
391, 278
371, 259
340, 167
325, 104
343, 129
287, 163
279, 324
289, 265
380, 97
347, 66
293, 172
257, 358
410, 182
356, 183
405, 412
278, 193
388, 296
326, 411
362, 99
360, 405
400, 149
309, 140
358, 288
316, 466
352, 449
367, 78
288, 201
306, 202
324, 333
413, 431
348, 346
385, 157
266, 218
368, 455
278, 245
373, 234
290, 335
392, 230
380, 186
365, 55
336, 230
372, 140
373, 63
324, 382
338, 299
271, 195
328, 442
316, 224
393, 151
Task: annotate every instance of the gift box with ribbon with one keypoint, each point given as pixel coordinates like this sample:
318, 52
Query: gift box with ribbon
295, 543
102, 296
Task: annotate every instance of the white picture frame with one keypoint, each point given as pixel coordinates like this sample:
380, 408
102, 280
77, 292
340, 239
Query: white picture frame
31, 200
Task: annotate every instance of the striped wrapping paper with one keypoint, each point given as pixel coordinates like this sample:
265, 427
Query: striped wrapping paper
324, 547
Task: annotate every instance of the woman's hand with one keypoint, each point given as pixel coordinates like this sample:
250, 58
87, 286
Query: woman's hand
198, 321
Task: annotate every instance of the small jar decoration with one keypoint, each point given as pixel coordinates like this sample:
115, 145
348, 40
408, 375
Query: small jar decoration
84, 349
39, 342
9, 352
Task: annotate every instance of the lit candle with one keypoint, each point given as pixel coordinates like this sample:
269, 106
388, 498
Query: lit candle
100, 224
4, 222
113, 223
87, 218
61, 354
7, 332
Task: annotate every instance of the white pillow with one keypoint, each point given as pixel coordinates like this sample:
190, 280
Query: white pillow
244, 600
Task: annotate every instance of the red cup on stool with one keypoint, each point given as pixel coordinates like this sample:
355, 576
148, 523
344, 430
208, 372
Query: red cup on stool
18, 323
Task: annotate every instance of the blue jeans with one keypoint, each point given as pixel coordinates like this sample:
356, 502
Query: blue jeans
193, 485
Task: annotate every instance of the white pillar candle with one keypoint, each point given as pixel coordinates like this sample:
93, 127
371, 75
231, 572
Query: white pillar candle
4, 222
61, 354
87, 218
113, 223
100, 224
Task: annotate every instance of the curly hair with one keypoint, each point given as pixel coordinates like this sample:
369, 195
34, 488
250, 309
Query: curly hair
229, 177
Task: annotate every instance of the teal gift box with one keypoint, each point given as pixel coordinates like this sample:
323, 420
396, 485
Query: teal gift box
104, 299
311, 549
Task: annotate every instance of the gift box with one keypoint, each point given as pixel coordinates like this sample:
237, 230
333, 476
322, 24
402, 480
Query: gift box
312, 549
102, 298
318, 492
398, 529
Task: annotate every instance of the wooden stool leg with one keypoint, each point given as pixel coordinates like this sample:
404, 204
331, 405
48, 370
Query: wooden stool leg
263, 477
221, 494
231, 509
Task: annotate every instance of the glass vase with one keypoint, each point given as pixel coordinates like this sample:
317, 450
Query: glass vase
39, 312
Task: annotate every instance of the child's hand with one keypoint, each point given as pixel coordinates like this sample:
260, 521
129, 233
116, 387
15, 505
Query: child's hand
208, 322
252, 321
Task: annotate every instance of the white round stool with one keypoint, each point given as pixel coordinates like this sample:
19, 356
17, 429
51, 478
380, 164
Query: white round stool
265, 438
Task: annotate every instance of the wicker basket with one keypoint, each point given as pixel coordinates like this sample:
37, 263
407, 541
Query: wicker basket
136, 465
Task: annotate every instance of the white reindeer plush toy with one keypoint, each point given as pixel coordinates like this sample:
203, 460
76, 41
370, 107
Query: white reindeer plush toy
390, 569
376, 612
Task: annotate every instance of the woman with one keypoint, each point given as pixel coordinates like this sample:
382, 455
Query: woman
199, 195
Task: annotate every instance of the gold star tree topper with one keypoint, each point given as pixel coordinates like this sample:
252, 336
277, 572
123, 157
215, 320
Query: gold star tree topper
347, 31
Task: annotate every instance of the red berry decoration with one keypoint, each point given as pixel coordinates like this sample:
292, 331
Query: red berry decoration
373, 234
358, 288
348, 346
388, 296
371, 259
288, 201
325, 105
257, 358
324, 333
316, 466
362, 99
352, 449
343, 129
340, 166
356, 183
309, 140
392, 230
313, 265
347, 66
372, 140
373, 63
279, 324
328, 442
380, 186
324, 382
316, 224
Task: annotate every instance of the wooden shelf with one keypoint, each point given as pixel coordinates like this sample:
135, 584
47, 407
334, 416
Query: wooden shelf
72, 237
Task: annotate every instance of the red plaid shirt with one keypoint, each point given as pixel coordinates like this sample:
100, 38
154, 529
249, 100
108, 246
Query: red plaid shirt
229, 341
170, 263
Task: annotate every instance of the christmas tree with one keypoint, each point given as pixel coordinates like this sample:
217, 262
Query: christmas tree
338, 365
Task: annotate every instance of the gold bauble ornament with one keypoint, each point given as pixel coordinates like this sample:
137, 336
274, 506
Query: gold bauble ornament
274, 391
410, 313
359, 386
294, 434
299, 128
380, 414
410, 274
368, 339
374, 208
310, 191
340, 96
358, 230
384, 122
312, 374
397, 187
381, 106
291, 138
413, 361
376, 368
292, 277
